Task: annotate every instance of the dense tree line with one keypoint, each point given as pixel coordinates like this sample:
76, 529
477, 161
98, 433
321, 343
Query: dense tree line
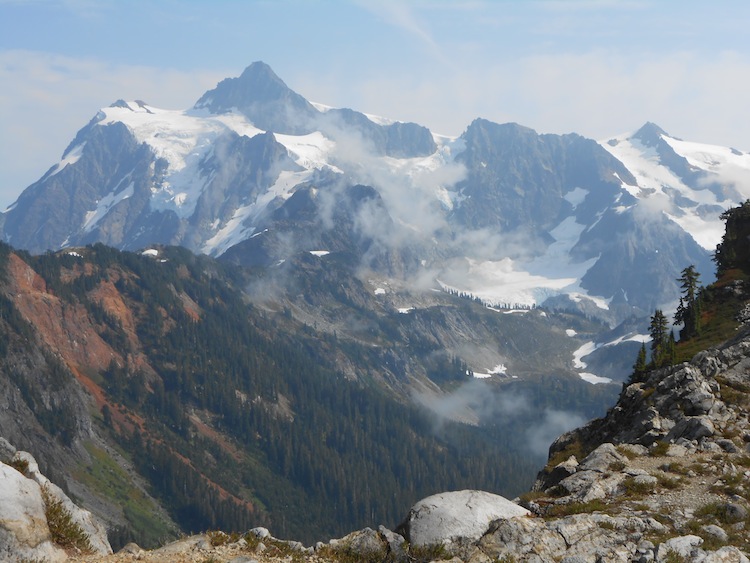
308, 452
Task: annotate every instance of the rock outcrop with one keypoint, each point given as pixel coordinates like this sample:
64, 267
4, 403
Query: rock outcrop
28, 502
459, 514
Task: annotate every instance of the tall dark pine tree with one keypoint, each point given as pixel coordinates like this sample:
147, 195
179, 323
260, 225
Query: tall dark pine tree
640, 368
689, 311
659, 331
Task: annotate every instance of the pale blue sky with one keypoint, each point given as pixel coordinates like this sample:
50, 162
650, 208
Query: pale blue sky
598, 68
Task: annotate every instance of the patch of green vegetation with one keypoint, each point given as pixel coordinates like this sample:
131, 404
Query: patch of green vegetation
731, 485
674, 557
65, 531
716, 512
426, 553
659, 449
273, 547
574, 448
559, 510
20, 465
217, 537
674, 467
734, 392
616, 465
531, 495
106, 477
669, 482
718, 317
627, 452
634, 488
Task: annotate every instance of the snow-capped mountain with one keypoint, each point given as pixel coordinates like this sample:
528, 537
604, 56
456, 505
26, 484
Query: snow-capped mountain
255, 173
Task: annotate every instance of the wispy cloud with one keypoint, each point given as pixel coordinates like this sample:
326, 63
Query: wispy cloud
403, 16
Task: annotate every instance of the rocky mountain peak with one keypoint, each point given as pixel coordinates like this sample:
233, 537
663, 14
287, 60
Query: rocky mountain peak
264, 98
650, 134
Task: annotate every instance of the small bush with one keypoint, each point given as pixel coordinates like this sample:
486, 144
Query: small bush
668, 482
659, 449
20, 465
217, 537
559, 510
425, 553
617, 465
634, 488
627, 452
345, 554
674, 468
65, 531
674, 557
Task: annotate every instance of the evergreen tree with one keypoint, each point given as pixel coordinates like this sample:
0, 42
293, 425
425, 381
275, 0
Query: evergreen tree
640, 367
689, 311
658, 330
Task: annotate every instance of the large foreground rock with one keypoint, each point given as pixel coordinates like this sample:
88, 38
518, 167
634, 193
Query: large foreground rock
91, 526
443, 517
24, 534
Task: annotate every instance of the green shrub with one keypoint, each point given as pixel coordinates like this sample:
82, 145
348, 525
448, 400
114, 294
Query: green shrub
66, 532
659, 449
20, 465
634, 488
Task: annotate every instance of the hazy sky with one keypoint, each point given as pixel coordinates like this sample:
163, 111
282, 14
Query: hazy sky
598, 68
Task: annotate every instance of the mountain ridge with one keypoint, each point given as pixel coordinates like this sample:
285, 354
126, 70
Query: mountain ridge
438, 195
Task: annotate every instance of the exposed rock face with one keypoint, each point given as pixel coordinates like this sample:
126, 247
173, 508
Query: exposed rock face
24, 533
24, 529
467, 514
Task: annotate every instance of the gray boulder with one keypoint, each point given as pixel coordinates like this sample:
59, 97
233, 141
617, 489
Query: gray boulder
465, 515
24, 533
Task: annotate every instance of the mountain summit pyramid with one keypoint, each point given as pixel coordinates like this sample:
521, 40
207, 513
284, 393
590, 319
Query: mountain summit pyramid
264, 99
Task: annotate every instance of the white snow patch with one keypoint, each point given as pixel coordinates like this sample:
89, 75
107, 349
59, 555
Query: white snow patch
379, 291
150, 252
630, 338
322, 108
405, 310
584, 350
379, 119
499, 369
593, 379
104, 205
578, 363
319, 252
570, 332
576, 196
312, 151
74, 253
71, 158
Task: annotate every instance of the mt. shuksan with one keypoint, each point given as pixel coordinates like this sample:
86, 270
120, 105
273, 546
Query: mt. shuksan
256, 173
